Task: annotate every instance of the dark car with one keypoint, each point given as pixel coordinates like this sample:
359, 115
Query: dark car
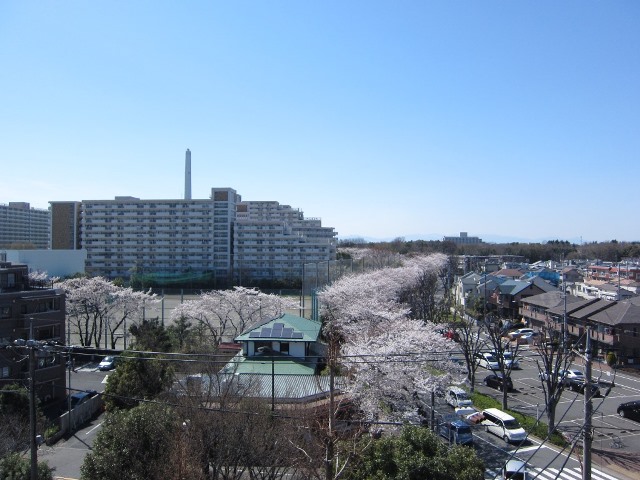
578, 385
630, 410
79, 398
499, 382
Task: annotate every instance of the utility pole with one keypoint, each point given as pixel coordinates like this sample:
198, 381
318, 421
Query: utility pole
32, 409
565, 344
588, 410
31, 345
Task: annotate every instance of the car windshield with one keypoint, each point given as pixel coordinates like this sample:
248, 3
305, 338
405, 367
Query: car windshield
510, 424
490, 358
107, 360
464, 430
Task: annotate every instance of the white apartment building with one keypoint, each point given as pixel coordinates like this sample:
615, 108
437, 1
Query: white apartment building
21, 226
273, 241
222, 237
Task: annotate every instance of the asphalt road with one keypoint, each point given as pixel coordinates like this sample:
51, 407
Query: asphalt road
612, 433
67, 455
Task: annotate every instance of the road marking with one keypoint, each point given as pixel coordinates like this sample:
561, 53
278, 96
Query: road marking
104, 380
569, 473
98, 425
528, 449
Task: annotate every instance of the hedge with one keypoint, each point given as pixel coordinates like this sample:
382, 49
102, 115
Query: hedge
538, 429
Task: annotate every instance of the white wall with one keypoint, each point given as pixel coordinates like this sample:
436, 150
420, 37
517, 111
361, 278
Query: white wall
57, 263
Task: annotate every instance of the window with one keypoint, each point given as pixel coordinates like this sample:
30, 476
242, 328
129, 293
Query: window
5, 312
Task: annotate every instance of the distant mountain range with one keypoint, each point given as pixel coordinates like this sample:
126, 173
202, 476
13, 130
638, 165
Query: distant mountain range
487, 238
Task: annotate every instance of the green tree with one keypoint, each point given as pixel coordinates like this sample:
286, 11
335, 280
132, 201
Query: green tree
15, 467
180, 332
132, 444
151, 335
14, 415
416, 454
136, 378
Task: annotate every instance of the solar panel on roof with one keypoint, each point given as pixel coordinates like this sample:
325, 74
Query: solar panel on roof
297, 335
277, 330
265, 333
254, 335
286, 332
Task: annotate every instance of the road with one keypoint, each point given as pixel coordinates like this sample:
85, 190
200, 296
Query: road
67, 455
612, 433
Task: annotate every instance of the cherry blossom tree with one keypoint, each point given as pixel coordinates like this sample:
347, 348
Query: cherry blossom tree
389, 353
96, 305
227, 313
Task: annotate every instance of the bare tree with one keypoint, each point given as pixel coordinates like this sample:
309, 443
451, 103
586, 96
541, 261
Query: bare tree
470, 342
552, 358
505, 352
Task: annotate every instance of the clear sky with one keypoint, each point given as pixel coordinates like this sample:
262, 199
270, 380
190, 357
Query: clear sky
415, 118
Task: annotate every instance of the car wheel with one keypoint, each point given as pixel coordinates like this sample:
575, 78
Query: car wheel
506, 439
500, 387
622, 413
486, 382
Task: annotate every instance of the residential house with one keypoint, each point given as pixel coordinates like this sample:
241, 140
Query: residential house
506, 298
614, 326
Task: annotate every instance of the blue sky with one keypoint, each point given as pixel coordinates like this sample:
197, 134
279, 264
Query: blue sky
514, 120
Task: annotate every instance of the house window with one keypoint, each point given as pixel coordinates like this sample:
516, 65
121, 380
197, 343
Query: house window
5, 312
4, 372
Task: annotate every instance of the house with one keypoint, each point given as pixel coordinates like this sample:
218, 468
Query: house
505, 300
281, 359
614, 326
31, 312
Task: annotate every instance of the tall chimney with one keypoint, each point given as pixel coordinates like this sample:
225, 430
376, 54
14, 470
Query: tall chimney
187, 175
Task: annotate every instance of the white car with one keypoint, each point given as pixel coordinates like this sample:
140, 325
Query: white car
487, 360
518, 333
571, 374
511, 361
514, 470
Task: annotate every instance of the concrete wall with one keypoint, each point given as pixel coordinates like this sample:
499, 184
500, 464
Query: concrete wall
57, 263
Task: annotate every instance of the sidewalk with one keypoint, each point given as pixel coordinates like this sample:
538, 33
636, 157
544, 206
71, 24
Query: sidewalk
626, 464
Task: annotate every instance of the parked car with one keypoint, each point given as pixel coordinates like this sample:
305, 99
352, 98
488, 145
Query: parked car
514, 470
503, 425
78, 398
487, 360
630, 410
509, 360
571, 374
528, 338
457, 397
456, 431
499, 382
107, 363
579, 385
519, 332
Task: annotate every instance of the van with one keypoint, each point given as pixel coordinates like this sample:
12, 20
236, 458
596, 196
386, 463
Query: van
503, 425
456, 431
457, 397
